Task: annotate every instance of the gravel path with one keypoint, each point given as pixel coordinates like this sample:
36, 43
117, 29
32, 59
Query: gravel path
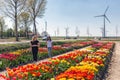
114, 69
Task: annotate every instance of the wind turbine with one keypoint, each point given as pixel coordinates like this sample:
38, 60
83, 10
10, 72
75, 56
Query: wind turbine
104, 19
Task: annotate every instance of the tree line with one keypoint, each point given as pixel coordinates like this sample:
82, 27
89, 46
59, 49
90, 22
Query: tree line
23, 14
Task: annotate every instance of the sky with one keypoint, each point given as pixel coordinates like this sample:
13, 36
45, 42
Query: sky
80, 13
60, 14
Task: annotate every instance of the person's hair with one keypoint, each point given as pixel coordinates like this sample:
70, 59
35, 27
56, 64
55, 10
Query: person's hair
49, 38
34, 38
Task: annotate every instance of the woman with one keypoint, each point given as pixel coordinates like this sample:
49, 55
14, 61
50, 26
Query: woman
34, 46
49, 46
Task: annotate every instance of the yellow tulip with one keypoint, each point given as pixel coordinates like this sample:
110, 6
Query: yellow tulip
62, 79
52, 79
71, 79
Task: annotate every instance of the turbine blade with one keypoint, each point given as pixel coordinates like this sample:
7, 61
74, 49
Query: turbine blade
99, 16
107, 19
106, 9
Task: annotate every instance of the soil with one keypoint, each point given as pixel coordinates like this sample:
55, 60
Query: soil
114, 67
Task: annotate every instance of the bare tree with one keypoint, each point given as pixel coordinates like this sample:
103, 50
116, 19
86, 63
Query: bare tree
46, 26
2, 26
36, 9
55, 33
12, 9
102, 31
25, 21
67, 31
77, 32
58, 31
9, 32
116, 30
88, 32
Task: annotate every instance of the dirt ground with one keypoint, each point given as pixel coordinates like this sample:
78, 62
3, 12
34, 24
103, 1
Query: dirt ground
114, 68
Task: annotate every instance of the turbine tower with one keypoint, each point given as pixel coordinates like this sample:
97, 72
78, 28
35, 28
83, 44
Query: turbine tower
46, 26
67, 31
104, 20
116, 31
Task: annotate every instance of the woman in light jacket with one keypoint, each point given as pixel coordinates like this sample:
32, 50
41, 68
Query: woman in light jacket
49, 46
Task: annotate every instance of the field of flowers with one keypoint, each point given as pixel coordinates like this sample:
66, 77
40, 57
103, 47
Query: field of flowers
24, 56
89, 63
92, 67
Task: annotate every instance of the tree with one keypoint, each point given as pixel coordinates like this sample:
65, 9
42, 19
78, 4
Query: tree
77, 32
88, 32
58, 31
67, 31
2, 26
10, 32
25, 21
21, 33
12, 9
36, 9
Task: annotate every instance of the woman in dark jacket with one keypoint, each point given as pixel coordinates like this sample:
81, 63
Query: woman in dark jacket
34, 44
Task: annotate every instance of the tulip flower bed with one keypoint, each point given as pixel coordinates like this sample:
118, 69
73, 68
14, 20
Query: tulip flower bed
57, 47
93, 47
92, 67
77, 45
12, 47
20, 57
45, 70
24, 56
64, 62
75, 65
11, 59
98, 45
8, 56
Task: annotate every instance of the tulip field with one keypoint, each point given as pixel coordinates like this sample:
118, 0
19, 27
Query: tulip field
86, 60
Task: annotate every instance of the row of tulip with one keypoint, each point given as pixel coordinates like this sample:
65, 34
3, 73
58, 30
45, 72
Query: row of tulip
9, 55
57, 47
24, 56
13, 55
13, 47
54, 67
68, 56
45, 70
84, 43
92, 66
93, 47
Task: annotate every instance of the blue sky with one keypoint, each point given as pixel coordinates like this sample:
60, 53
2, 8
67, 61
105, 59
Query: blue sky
79, 13
71, 13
